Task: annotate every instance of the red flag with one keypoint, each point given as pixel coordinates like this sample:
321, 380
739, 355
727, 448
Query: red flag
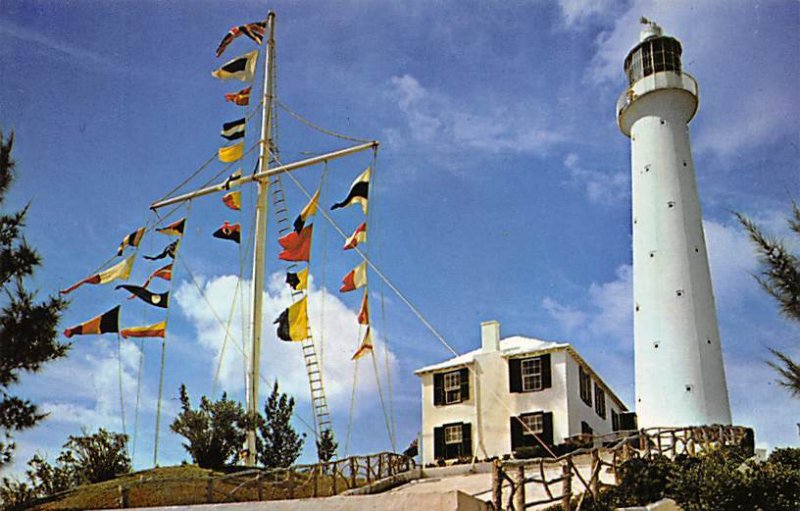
297, 246
241, 98
363, 313
358, 236
355, 279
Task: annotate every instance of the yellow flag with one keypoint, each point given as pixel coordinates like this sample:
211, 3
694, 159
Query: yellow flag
231, 153
293, 322
302, 277
366, 346
119, 271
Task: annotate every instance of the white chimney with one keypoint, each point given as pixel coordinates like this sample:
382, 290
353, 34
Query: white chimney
490, 336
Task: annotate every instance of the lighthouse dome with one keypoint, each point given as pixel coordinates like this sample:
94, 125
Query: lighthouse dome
654, 54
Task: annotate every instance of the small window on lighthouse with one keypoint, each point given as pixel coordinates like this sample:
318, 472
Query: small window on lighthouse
671, 204
656, 344
689, 388
663, 122
647, 168
652, 253
685, 163
679, 292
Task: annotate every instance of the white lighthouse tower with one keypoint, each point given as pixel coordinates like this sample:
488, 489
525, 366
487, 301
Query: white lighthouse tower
680, 379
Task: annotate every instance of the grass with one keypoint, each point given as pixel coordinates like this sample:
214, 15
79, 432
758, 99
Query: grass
189, 484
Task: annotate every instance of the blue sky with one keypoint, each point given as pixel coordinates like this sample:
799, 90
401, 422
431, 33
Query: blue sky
501, 189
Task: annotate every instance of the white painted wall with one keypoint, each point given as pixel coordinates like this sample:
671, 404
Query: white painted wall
491, 404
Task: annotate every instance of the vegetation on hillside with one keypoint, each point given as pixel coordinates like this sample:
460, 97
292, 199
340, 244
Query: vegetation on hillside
723, 480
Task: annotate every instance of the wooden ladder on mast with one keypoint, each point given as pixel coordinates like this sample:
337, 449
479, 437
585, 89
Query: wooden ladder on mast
319, 403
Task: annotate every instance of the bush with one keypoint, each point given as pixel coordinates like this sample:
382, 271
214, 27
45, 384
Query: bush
96, 458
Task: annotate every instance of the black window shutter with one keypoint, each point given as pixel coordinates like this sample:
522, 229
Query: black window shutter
438, 389
547, 379
438, 443
517, 439
466, 439
464, 376
547, 423
514, 375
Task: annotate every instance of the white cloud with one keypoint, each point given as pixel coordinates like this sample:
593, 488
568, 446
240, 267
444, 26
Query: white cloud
282, 360
608, 312
568, 317
449, 124
578, 11
747, 93
601, 187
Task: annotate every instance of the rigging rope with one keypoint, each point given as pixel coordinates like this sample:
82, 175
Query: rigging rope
138, 397
319, 128
121, 392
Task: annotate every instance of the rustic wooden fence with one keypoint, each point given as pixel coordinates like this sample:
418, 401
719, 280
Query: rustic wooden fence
299, 481
562, 480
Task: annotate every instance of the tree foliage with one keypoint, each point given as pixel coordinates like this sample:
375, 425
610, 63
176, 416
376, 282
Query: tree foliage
326, 446
28, 336
280, 444
723, 480
91, 458
779, 276
215, 432
97, 457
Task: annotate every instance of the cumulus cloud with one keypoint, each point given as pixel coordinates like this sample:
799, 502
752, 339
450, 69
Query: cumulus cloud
608, 313
601, 187
577, 11
336, 342
448, 123
740, 109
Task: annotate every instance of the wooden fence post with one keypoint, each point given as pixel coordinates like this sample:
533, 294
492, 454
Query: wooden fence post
566, 487
369, 470
497, 486
210, 490
291, 483
124, 496
594, 482
334, 473
260, 487
519, 495
315, 482
353, 469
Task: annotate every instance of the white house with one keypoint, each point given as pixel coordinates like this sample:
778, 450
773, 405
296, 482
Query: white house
488, 402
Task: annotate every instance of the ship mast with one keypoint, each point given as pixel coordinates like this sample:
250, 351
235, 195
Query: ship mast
264, 153
262, 178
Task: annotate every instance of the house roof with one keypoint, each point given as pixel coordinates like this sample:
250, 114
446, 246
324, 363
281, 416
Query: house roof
509, 347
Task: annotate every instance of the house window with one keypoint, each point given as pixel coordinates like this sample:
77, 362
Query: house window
452, 434
585, 382
531, 374
452, 441
531, 430
614, 420
586, 429
452, 387
599, 401
532, 424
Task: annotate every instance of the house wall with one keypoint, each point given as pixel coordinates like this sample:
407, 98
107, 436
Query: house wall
579, 411
491, 428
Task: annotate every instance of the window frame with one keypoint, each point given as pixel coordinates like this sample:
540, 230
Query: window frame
529, 381
585, 385
449, 436
599, 400
450, 387
537, 428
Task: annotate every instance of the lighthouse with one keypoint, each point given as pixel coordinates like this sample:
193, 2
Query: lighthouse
680, 378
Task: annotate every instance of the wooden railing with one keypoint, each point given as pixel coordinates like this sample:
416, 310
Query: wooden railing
562, 480
299, 481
